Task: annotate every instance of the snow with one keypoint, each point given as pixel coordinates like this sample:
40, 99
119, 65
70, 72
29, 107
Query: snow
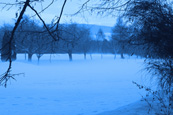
80, 87
136, 108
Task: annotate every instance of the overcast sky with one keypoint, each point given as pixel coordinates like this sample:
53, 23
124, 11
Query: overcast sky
8, 16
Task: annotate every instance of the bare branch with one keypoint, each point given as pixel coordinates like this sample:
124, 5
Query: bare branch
82, 7
43, 22
6, 76
61, 13
44, 8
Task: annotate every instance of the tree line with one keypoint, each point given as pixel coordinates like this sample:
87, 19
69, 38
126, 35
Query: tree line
31, 38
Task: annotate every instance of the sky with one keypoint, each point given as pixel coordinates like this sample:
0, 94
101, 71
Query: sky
72, 6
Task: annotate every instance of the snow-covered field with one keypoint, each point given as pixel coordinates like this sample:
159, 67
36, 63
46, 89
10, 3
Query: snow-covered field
80, 87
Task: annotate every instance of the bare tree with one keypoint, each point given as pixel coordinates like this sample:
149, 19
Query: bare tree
152, 21
25, 4
100, 36
27, 33
84, 41
70, 37
120, 36
113, 46
104, 7
5, 48
42, 45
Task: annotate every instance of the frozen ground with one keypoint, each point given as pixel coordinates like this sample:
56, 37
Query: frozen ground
80, 87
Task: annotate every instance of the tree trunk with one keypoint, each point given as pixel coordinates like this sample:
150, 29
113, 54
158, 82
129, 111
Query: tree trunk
70, 55
85, 55
91, 56
30, 57
122, 56
50, 58
25, 55
38, 60
101, 56
114, 56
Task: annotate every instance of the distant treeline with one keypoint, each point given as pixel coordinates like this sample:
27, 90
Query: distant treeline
30, 38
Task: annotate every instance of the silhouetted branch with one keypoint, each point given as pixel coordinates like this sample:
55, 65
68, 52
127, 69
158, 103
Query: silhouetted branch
45, 8
107, 7
42, 22
62, 9
7, 75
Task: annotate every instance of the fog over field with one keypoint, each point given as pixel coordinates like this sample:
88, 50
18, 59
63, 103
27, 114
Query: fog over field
80, 87
86, 57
